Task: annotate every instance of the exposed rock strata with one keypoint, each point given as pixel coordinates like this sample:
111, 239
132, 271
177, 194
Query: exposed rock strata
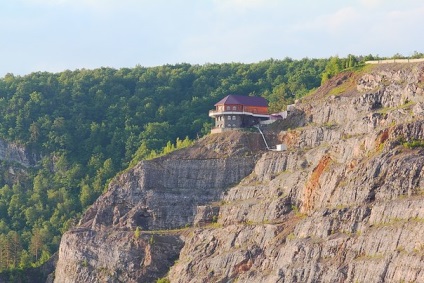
156, 195
343, 204
117, 255
164, 194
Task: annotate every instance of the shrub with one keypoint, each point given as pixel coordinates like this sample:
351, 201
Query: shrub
414, 144
137, 233
163, 280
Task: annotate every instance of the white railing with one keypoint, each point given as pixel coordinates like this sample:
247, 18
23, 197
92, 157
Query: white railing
214, 113
394, 61
263, 136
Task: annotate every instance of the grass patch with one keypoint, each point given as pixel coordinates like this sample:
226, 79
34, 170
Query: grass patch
309, 93
330, 125
350, 83
347, 85
297, 212
215, 225
386, 110
400, 249
291, 236
419, 248
392, 221
365, 68
163, 280
84, 263
380, 148
413, 144
375, 256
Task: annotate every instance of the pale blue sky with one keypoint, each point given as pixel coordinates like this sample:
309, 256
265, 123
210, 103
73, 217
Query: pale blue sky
55, 35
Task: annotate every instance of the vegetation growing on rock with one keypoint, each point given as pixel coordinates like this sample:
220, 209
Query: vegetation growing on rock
85, 126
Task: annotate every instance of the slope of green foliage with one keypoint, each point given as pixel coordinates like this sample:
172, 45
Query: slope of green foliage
88, 125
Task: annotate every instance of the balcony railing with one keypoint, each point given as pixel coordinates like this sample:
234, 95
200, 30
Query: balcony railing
213, 113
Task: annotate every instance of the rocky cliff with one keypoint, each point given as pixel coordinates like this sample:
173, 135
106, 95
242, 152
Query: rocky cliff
15, 161
125, 237
344, 203
15, 153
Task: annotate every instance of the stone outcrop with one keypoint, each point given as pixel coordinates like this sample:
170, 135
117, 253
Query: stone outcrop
344, 203
115, 255
152, 198
16, 163
12, 152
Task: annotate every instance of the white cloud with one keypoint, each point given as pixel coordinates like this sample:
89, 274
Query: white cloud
156, 32
333, 23
341, 19
226, 45
408, 15
371, 3
405, 26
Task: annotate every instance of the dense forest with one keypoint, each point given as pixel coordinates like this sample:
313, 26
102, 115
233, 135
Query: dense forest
85, 126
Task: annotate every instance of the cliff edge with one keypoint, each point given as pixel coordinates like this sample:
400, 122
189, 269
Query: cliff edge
344, 203
133, 233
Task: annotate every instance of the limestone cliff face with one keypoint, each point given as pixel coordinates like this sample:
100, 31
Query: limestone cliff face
156, 195
344, 203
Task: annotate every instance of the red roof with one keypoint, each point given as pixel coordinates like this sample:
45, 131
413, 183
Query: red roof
244, 100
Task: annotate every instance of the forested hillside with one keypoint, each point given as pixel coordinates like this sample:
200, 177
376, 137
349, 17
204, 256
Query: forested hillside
85, 126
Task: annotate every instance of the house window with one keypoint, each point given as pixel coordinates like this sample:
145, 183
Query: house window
234, 108
234, 117
234, 125
229, 117
228, 107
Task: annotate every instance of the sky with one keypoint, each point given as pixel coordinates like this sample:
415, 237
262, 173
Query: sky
58, 35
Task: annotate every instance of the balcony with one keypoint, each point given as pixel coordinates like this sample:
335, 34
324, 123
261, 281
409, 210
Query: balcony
213, 113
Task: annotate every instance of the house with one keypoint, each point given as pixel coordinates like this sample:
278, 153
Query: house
237, 111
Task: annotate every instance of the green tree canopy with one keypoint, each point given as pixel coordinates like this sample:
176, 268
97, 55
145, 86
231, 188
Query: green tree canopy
85, 126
